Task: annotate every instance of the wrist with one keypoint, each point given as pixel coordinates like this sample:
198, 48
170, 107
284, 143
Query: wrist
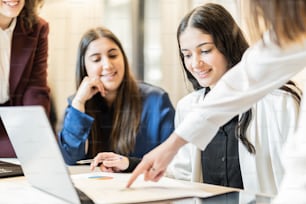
176, 142
78, 104
79, 101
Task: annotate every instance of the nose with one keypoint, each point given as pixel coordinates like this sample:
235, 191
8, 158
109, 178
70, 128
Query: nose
197, 62
106, 63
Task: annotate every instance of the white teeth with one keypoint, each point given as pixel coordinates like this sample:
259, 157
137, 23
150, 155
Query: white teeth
11, 3
203, 72
109, 74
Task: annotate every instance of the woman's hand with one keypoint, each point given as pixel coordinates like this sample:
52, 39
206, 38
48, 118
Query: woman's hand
88, 88
110, 162
154, 164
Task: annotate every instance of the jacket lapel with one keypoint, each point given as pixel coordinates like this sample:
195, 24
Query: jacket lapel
22, 48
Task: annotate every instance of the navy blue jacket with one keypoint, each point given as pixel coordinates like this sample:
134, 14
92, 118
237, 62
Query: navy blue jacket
157, 123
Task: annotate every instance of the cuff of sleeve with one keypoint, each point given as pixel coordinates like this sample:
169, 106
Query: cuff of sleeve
77, 122
133, 162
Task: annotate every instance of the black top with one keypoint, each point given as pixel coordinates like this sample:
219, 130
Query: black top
220, 159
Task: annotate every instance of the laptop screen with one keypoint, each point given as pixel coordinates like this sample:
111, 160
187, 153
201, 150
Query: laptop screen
37, 150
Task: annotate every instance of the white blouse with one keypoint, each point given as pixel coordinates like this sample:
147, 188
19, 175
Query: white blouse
5, 56
263, 68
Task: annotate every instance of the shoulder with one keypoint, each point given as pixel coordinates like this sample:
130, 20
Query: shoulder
279, 95
148, 90
192, 98
41, 25
280, 101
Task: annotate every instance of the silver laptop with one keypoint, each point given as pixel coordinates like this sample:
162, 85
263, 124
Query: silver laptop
37, 150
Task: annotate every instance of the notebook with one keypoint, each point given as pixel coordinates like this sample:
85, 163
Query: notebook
37, 150
9, 169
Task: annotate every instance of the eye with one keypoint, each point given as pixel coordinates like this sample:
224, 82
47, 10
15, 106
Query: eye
186, 55
95, 58
206, 51
112, 56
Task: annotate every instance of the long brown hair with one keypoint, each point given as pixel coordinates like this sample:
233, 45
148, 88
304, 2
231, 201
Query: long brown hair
285, 19
29, 13
127, 105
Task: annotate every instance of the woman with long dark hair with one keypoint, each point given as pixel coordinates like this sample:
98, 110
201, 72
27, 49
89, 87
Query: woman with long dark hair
110, 111
245, 152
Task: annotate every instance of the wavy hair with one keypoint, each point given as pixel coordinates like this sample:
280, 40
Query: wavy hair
29, 13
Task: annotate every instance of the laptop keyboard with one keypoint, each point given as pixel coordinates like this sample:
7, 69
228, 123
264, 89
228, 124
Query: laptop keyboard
83, 197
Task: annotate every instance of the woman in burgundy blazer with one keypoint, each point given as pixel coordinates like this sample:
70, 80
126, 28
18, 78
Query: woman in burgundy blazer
28, 65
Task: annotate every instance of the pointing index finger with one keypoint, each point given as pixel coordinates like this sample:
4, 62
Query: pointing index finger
141, 168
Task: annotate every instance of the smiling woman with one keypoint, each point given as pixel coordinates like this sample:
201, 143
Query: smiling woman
23, 71
110, 110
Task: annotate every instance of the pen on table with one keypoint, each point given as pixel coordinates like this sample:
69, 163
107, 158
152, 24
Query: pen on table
88, 161
85, 161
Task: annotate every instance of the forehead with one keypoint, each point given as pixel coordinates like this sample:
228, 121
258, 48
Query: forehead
102, 45
192, 37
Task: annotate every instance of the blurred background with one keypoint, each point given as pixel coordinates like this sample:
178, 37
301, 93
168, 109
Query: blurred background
146, 28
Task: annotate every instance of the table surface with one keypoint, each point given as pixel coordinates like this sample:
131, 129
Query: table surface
10, 187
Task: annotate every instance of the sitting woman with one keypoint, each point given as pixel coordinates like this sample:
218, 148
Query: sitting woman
111, 112
245, 152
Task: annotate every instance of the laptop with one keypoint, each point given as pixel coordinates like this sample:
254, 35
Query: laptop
8, 169
37, 150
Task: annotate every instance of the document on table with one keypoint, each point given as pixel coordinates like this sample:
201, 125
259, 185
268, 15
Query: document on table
104, 187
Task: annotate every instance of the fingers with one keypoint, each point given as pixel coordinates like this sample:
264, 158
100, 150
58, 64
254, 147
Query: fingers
142, 167
153, 174
89, 87
99, 86
110, 160
106, 169
95, 162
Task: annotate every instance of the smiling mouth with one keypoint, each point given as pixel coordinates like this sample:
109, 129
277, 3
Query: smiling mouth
109, 74
204, 73
11, 3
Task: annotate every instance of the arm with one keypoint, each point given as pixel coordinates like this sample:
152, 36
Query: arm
72, 138
261, 70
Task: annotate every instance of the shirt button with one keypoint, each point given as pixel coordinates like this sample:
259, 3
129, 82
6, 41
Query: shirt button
223, 159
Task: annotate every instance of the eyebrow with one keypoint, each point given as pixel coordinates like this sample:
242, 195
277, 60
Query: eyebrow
110, 50
199, 45
113, 49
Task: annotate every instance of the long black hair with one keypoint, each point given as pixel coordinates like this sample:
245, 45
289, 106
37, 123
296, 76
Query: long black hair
215, 20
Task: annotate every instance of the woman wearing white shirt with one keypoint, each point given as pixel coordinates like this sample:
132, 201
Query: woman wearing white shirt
208, 48
265, 66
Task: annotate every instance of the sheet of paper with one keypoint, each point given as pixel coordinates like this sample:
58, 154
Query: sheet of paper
110, 188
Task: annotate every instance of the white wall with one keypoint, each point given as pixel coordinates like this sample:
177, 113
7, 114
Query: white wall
68, 20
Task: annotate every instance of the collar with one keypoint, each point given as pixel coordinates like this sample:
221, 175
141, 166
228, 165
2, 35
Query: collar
11, 27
